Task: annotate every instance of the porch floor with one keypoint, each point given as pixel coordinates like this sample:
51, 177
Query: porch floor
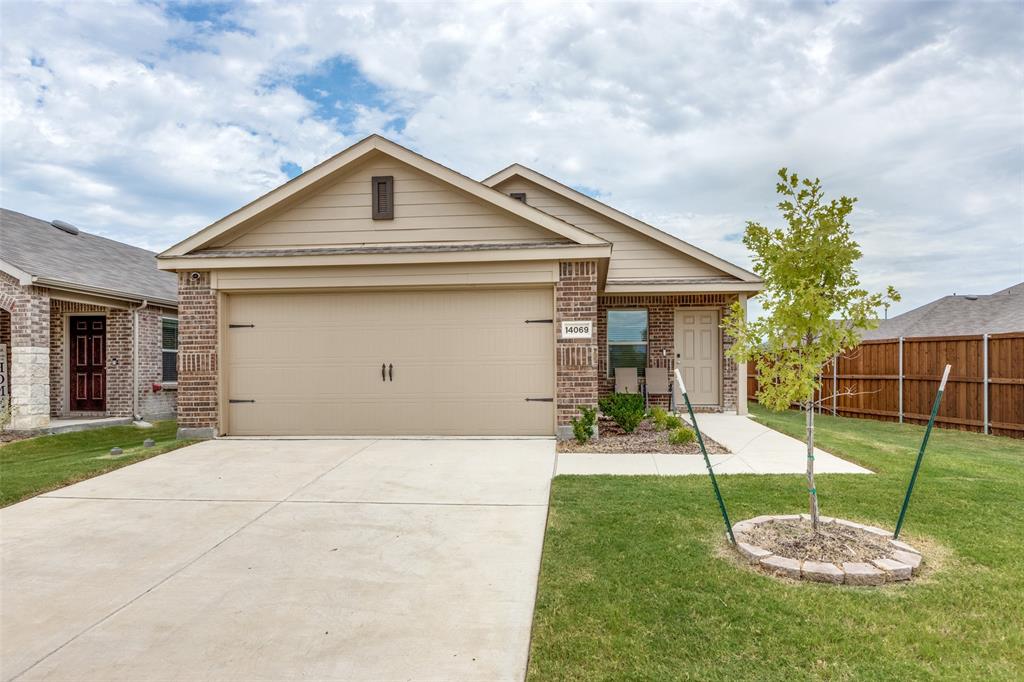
68, 424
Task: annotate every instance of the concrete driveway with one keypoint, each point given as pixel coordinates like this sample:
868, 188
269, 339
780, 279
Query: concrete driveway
282, 559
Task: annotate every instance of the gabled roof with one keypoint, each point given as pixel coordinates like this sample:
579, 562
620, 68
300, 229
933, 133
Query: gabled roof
621, 218
319, 175
960, 315
36, 252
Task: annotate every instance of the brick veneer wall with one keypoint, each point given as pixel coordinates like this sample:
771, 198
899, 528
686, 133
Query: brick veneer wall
576, 372
660, 336
153, 404
197, 352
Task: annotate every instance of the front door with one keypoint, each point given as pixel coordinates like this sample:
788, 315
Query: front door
697, 354
88, 363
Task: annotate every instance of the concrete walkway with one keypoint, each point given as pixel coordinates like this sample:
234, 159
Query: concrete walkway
277, 560
755, 449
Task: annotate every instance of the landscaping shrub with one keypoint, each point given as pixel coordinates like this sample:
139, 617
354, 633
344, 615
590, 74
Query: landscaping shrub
658, 417
681, 436
673, 421
583, 427
626, 409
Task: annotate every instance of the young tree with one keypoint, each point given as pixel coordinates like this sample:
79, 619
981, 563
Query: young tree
814, 306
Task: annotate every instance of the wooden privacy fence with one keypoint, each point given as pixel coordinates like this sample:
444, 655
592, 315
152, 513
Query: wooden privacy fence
896, 380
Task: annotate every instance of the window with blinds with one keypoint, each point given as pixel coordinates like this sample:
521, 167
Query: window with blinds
382, 188
169, 349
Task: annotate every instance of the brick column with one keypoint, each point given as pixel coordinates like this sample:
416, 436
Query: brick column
197, 356
30, 354
576, 374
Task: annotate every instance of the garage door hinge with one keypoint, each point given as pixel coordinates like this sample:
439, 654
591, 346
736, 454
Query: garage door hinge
540, 322
237, 326
540, 400
241, 401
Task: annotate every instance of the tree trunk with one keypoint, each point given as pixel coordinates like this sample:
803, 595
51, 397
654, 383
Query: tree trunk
811, 490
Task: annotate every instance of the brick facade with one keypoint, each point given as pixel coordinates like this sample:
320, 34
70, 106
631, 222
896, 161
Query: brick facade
577, 359
153, 404
197, 353
34, 327
661, 336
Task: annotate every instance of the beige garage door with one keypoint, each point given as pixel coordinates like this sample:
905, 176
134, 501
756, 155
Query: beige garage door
462, 362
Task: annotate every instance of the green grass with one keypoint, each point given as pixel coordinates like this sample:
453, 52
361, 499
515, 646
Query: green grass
636, 583
37, 465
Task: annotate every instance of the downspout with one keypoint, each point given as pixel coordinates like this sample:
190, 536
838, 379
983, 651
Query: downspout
135, 360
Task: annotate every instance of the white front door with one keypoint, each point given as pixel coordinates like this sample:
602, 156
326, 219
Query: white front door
697, 354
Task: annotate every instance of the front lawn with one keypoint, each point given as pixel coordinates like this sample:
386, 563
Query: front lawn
37, 465
635, 585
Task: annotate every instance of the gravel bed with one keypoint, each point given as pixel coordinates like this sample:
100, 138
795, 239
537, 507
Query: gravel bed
833, 542
644, 440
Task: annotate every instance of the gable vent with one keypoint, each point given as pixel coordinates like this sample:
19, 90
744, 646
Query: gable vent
518, 196
383, 192
64, 225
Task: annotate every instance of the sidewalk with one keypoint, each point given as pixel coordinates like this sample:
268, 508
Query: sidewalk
755, 449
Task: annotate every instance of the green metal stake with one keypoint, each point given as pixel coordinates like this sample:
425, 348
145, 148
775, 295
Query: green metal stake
707, 461
920, 453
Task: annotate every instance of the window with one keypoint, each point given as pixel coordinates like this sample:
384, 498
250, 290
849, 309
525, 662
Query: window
383, 191
627, 340
518, 196
169, 348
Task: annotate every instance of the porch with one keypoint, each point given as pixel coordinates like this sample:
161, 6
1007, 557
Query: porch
74, 361
669, 330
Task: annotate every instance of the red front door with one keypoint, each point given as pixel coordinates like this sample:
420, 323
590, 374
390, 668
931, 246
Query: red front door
88, 364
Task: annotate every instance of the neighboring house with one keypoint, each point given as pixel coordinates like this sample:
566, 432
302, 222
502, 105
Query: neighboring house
89, 325
383, 293
961, 315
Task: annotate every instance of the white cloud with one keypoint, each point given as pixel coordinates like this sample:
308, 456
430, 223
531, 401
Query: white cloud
143, 126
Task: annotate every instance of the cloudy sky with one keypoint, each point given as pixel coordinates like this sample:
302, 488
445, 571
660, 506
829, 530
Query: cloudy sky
145, 122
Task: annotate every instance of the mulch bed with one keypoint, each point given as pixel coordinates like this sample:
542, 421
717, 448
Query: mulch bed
644, 440
833, 543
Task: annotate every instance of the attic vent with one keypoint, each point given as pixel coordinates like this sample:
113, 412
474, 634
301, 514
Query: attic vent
63, 225
518, 196
383, 192
971, 298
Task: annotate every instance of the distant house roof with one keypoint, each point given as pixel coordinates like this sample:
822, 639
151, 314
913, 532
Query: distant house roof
995, 313
53, 257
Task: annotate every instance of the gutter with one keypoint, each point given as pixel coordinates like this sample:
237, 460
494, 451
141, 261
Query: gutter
99, 291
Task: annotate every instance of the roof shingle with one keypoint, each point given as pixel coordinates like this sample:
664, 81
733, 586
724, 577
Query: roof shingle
82, 260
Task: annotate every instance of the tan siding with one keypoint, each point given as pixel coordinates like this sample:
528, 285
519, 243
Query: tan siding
426, 210
634, 256
432, 274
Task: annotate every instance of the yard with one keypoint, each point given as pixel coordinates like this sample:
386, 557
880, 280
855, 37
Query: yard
37, 465
635, 584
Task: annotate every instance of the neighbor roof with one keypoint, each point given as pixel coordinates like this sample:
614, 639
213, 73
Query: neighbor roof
961, 315
37, 252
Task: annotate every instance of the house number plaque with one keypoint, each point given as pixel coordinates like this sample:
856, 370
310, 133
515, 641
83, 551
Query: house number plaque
577, 329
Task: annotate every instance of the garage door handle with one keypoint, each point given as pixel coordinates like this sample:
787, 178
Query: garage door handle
540, 400
383, 372
391, 373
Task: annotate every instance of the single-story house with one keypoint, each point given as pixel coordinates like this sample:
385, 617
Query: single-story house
381, 293
963, 315
88, 325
